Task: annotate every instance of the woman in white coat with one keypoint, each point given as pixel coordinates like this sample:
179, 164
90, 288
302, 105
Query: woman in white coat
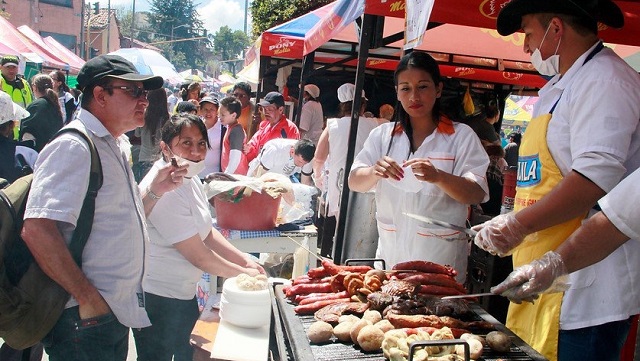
421, 163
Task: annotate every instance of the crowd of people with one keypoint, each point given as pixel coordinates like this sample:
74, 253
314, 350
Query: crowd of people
574, 211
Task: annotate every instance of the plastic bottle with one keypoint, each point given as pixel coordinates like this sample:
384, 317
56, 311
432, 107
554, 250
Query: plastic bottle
301, 259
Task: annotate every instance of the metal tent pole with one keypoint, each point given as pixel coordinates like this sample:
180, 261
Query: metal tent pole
366, 35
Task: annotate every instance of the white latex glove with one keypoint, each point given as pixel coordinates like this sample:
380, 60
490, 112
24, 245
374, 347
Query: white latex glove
547, 274
500, 235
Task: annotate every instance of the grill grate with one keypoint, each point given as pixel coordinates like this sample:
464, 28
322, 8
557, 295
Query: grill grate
299, 348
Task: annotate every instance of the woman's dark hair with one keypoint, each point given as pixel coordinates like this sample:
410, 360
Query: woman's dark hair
345, 109
232, 104
491, 107
58, 75
44, 84
414, 60
186, 88
156, 113
173, 127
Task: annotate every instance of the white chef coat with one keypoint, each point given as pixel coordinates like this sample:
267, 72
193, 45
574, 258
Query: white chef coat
621, 206
595, 131
338, 129
402, 238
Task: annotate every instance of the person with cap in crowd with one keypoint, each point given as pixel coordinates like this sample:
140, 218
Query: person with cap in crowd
583, 139
311, 116
275, 125
331, 154
422, 163
208, 112
242, 92
13, 84
106, 293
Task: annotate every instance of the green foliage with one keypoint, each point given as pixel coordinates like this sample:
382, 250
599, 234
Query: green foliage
264, 17
141, 31
175, 20
229, 44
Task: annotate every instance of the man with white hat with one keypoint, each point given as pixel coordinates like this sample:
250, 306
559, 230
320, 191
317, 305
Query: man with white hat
10, 83
311, 116
583, 139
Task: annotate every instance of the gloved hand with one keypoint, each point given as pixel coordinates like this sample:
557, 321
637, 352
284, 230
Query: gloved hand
500, 235
547, 274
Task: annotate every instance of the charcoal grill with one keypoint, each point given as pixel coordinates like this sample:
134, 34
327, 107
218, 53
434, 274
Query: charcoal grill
293, 345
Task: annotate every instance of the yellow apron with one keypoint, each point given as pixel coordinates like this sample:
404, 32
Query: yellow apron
538, 324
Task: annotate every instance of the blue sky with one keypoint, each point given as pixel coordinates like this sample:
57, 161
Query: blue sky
213, 13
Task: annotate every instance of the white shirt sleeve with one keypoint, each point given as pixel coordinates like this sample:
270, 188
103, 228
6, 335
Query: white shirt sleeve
621, 206
234, 160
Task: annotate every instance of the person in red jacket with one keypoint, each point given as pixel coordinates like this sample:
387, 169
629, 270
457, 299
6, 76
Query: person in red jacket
275, 125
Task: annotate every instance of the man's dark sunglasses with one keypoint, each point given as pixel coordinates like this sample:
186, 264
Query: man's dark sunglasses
134, 91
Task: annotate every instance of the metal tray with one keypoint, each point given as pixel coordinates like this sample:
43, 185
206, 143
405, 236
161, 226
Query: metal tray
296, 346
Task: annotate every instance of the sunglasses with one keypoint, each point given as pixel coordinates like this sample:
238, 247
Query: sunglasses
134, 91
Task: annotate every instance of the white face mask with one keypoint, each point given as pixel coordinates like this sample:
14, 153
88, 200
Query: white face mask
193, 168
551, 65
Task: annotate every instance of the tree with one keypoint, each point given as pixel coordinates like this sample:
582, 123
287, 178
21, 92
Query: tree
176, 20
141, 30
264, 17
229, 45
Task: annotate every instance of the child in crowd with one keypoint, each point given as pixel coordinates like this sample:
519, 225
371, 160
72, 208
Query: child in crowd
233, 160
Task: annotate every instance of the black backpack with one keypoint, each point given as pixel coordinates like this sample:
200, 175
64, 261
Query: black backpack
31, 302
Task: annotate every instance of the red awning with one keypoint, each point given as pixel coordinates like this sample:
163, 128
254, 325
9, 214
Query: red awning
14, 39
483, 14
67, 55
52, 52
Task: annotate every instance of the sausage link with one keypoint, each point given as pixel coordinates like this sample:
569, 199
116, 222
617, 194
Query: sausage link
427, 267
313, 307
324, 297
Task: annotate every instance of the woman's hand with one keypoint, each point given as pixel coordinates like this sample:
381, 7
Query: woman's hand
386, 167
255, 266
168, 178
423, 170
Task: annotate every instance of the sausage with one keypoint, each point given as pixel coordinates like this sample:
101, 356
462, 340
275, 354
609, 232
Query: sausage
306, 288
437, 279
315, 306
307, 279
299, 298
319, 272
334, 269
324, 297
427, 267
439, 290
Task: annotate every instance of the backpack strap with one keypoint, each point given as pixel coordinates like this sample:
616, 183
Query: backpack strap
85, 220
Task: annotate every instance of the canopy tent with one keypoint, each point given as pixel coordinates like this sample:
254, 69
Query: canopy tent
462, 51
374, 48
483, 14
150, 62
30, 34
67, 55
6, 50
14, 39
